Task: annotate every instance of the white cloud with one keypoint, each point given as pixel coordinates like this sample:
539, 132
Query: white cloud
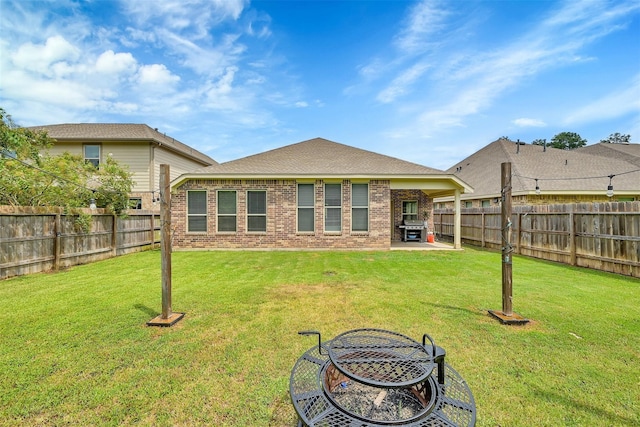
425, 18
115, 63
400, 85
469, 85
156, 75
301, 104
527, 122
40, 57
617, 104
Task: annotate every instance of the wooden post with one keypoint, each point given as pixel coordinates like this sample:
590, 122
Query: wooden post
572, 237
114, 236
167, 318
507, 316
57, 242
507, 249
165, 248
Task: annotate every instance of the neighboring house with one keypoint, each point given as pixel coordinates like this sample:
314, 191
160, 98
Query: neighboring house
563, 176
622, 151
313, 194
137, 146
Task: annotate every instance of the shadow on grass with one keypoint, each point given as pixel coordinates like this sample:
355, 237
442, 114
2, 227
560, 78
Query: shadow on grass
149, 311
480, 313
613, 419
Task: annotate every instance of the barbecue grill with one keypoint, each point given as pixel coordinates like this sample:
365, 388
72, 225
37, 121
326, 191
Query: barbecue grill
414, 230
374, 377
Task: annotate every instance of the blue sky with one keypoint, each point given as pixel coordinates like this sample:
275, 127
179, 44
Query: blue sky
426, 81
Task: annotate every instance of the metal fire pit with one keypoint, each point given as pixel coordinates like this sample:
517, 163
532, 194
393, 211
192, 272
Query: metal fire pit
375, 365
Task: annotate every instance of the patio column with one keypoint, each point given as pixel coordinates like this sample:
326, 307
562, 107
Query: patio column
457, 221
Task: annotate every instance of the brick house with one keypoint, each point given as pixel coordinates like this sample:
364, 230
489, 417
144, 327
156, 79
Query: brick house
313, 194
137, 146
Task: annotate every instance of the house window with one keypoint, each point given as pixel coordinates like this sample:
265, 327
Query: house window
360, 207
257, 211
486, 203
227, 211
409, 210
92, 154
468, 204
306, 198
333, 207
196, 211
135, 203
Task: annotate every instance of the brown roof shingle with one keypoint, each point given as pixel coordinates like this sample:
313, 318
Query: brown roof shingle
556, 170
319, 157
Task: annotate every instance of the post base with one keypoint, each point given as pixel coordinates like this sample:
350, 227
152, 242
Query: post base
513, 319
169, 321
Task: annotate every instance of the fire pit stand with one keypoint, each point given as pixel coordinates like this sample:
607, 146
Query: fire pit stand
374, 377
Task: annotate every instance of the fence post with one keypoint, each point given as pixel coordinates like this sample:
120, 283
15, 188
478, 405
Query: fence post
572, 237
114, 236
57, 249
519, 235
153, 230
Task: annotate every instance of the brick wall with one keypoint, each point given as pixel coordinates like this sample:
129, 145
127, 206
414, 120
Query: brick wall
425, 204
281, 218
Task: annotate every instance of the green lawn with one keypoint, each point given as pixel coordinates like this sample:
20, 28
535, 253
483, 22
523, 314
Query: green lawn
75, 350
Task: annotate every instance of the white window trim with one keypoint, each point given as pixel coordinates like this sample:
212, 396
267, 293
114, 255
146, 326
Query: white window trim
266, 198
206, 214
361, 207
89, 159
404, 215
325, 208
218, 214
312, 207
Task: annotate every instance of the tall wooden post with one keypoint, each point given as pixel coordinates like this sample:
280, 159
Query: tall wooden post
167, 318
165, 248
507, 316
507, 249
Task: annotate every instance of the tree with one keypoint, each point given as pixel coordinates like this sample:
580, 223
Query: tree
30, 176
617, 138
539, 142
567, 141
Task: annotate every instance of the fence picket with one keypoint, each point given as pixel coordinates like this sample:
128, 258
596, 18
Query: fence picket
603, 236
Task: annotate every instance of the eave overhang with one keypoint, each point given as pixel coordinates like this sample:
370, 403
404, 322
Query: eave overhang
436, 185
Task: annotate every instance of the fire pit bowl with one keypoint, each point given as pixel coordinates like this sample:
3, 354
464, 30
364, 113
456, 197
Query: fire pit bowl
373, 377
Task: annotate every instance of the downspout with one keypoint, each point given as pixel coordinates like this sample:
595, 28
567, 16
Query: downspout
457, 221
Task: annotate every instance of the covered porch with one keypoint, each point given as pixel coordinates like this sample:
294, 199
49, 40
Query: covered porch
412, 201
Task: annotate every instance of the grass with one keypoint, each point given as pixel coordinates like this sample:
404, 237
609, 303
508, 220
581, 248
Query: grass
75, 350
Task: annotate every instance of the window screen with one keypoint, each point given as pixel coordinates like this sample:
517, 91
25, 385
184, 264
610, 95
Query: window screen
360, 207
256, 211
196, 211
410, 210
92, 154
306, 199
227, 211
333, 207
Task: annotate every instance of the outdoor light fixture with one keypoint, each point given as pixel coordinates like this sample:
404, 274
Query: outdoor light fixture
537, 187
610, 187
92, 204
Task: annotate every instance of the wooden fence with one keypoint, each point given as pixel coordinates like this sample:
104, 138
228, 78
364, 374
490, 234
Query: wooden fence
33, 241
603, 236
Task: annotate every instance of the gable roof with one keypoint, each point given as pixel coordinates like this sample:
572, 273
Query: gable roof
559, 171
622, 151
320, 158
83, 132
